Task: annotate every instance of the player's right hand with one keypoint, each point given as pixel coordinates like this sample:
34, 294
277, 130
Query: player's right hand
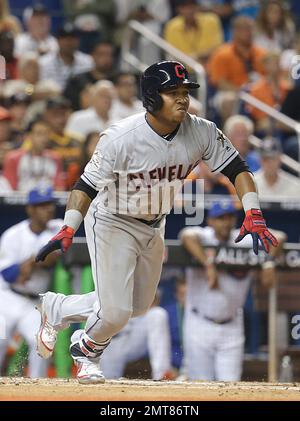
61, 240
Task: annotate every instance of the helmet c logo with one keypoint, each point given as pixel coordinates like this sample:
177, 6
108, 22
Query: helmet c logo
179, 71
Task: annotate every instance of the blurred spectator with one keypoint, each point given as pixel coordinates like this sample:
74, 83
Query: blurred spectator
5, 145
95, 19
270, 89
238, 128
28, 76
275, 30
75, 169
175, 310
38, 37
98, 116
234, 64
68, 61
239, 61
222, 8
28, 81
77, 86
17, 106
67, 146
22, 280
126, 103
289, 59
8, 22
271, 181
7, 51
195, 33
38, 166
213, 323
152, 14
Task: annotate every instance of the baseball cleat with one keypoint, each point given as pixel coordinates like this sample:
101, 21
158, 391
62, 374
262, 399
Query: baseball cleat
88, 369
46, 335
88, 372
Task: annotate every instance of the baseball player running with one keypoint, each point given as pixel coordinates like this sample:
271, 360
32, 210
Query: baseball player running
124, 195
21, 278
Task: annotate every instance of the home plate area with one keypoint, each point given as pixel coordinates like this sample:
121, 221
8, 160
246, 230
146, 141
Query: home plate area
25, 389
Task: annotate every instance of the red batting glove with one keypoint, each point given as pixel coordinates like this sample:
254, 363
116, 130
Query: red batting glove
61, 240
255, 225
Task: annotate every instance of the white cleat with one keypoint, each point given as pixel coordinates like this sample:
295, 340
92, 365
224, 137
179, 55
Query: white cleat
46, 336
88, 372
88, 368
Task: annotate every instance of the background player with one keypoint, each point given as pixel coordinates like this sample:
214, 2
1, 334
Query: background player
124, 194
214, 325
21, 278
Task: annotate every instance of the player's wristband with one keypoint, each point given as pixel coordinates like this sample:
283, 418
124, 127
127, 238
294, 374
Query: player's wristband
250, 201
73, 219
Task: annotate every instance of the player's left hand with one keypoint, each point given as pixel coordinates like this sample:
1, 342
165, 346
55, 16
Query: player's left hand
255, 225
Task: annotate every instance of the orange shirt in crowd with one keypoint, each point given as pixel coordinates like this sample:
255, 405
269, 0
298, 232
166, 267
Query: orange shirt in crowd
226, 64
262, 90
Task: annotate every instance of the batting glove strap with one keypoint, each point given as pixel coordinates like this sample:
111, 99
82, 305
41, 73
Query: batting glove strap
62, 240
255, 225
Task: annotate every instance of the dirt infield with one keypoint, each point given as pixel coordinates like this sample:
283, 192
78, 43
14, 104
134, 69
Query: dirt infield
122, 390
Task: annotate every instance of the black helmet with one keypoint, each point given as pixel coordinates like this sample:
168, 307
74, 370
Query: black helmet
159, 76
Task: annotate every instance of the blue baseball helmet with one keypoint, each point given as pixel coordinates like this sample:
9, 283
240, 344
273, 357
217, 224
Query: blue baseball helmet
160, 76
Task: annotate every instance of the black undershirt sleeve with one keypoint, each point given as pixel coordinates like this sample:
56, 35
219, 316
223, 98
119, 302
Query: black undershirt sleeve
81, 185
235, 167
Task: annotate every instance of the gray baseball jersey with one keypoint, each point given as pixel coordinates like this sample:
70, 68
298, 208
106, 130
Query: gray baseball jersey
131, 164
131, 160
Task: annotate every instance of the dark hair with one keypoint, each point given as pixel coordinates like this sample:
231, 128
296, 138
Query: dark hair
37, 120
119, 75
261, 20
101, 42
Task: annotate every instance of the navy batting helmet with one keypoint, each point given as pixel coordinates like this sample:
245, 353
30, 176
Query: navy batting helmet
160, 76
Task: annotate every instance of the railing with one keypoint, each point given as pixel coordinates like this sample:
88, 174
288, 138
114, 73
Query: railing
131, 59
278, 116
285, 159
272, 112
